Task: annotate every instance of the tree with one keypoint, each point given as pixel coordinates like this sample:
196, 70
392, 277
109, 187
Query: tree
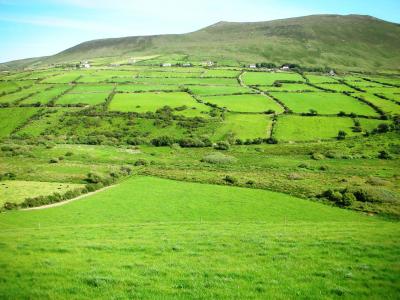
341, 135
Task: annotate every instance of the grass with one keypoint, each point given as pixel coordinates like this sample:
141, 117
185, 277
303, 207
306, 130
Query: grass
46, 96
196, 241
299, 128
126, 88
243, 126
336, 87
244, 103
290, 87
90, 88
386, 105
324, 103
316, 79
16, 191
62, 78
11, 118
144, 102
218, 90
10, 98
90, 99
265, 78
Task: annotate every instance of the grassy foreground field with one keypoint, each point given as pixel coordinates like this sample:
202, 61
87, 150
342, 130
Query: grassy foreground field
188, 240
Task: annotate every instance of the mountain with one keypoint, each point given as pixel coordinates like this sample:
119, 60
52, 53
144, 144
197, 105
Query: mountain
344, 42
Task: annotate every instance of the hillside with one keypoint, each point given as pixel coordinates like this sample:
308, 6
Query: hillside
343, 42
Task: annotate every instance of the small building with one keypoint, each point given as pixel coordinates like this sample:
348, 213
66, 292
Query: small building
208, 63
186, 65
167, 65
285, 68
332, 73
84, 64
253, 66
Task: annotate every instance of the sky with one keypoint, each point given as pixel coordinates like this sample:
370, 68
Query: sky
31, 28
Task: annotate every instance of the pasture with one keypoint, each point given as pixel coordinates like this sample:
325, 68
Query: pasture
243, 126
269, 78
12, 118
16, 191
144, 102
324, 103
87, 98
244, 103
192, 240
299, 128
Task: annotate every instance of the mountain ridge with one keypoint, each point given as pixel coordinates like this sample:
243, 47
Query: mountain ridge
341, 41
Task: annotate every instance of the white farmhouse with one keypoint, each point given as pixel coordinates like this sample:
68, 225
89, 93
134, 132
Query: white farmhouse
332, 73
167, 65
285, 68
208, 63
253, 66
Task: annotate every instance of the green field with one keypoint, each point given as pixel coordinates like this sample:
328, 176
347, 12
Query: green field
129, 88
299, 128
324, 103
244, 103
386, 105
196, 241
144, 102
218, 90
265, 78
46, 95
243, 126
11, 118
92, 88
88, 98
17, 191
290, 87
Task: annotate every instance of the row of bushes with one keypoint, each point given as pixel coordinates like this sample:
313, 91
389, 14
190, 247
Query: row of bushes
93, 182
347, 196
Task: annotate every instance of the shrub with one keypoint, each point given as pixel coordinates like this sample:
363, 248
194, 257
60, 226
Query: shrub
376, 181
250, 182
93, 178
53, 160
69, 153
341, 135
294, 176
141, 162
304, 166
272, 140
222, 145
230, 179
10, 206
384, 155
317, 156
218, 158
239, 142
162, 141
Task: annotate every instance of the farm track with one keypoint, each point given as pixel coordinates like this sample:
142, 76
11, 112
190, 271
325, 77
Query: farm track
68, 201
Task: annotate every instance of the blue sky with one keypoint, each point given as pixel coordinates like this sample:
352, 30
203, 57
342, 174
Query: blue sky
30, 28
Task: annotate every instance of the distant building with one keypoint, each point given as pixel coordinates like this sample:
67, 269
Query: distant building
208, 64
186, 65
332, 73
285, 68
252, 66
85, 64
114, 65
167, 65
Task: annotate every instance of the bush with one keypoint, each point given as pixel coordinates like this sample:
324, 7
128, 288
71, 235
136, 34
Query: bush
230, 179
10, 206
162, 141
93, 178
218, 158
384, 155
69, 153
141, 162
317, 156
53, 160
222, 145
272, 141
341, 135
294, 176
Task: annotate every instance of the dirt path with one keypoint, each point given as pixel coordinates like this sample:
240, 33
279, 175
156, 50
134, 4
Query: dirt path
70, 200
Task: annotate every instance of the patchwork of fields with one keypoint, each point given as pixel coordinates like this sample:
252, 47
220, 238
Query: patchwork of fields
213, 94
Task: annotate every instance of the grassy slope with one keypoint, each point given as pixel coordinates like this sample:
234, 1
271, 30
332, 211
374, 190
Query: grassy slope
339, 41
191, 240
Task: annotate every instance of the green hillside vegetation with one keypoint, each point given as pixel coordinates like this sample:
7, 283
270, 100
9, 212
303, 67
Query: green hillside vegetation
159, 239
345, 42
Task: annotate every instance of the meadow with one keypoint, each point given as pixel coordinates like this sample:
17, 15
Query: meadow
324, 103
144, 102
244, 103
187, 240
248, 185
